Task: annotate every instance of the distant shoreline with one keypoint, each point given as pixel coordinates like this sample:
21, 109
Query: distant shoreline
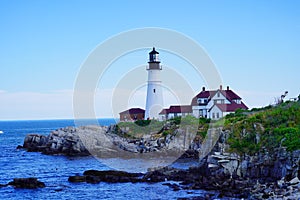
58, 119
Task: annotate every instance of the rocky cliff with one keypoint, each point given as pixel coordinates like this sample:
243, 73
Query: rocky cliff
103, 142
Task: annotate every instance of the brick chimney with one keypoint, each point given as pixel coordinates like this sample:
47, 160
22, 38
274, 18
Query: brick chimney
227, 87
203, 89
220, 87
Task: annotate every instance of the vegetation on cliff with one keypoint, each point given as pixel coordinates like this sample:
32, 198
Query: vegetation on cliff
249, 131
268, 127
142, 128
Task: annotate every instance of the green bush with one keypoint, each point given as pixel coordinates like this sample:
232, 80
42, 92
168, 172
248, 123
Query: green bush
142, 122
203, 120
289, 136
279, 125
176, 120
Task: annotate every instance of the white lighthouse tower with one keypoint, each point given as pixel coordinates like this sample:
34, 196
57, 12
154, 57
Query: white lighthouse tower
154, 101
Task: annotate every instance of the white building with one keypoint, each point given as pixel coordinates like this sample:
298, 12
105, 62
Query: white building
215, 104
175, 111
154, 100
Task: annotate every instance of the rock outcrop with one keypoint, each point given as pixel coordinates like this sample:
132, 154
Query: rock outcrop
110, 176
102, 141
62, 141
264, 165
27, 183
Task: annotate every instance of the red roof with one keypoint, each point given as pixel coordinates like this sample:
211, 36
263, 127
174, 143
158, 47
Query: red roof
206, 94
231, 107
164, 112
229, 94
177, 109
133, 111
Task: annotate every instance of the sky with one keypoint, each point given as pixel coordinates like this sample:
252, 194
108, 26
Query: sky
43, 44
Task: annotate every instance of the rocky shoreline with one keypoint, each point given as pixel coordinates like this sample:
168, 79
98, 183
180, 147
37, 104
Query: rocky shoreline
197, 178
268, 175
255, 177
101, 141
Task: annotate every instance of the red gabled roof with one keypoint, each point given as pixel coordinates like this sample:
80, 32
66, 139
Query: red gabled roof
194, 102
186, 109
133, 111
204, 95
180, 109
229, 94
177, 109
231, 107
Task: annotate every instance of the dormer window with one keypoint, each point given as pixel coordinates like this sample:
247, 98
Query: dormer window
201, 101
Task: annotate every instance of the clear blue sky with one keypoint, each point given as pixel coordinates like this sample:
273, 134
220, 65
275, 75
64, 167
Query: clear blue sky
254, 44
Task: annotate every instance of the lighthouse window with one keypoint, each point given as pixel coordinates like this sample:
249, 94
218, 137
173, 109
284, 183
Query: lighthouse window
153, 90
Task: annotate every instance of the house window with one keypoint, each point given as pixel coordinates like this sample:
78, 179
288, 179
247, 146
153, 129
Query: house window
218, 116
201, 112
153, 90
218, 94
213, 115
222, 101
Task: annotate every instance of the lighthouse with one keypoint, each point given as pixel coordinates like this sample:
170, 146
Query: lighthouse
154, 100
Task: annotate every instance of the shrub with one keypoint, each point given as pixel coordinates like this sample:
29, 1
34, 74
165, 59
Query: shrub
142, 122
176, 120
279, 125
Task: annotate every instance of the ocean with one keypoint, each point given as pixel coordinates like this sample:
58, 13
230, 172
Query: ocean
55, 170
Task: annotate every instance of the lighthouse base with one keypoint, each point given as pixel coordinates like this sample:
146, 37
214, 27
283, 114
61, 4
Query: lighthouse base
153, 112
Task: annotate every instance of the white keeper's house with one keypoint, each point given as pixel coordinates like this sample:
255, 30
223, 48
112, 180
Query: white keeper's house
213, 104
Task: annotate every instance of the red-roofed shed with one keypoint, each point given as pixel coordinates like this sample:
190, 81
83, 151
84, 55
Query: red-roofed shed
132, 114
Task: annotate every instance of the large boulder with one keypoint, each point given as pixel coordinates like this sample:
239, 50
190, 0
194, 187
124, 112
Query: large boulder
27, 183
35, 142
69, 141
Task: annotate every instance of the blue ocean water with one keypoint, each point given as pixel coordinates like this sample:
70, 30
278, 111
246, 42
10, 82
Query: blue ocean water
55, 170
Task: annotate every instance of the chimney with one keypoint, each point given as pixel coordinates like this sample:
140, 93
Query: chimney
220, 87
227, 87
203, 89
